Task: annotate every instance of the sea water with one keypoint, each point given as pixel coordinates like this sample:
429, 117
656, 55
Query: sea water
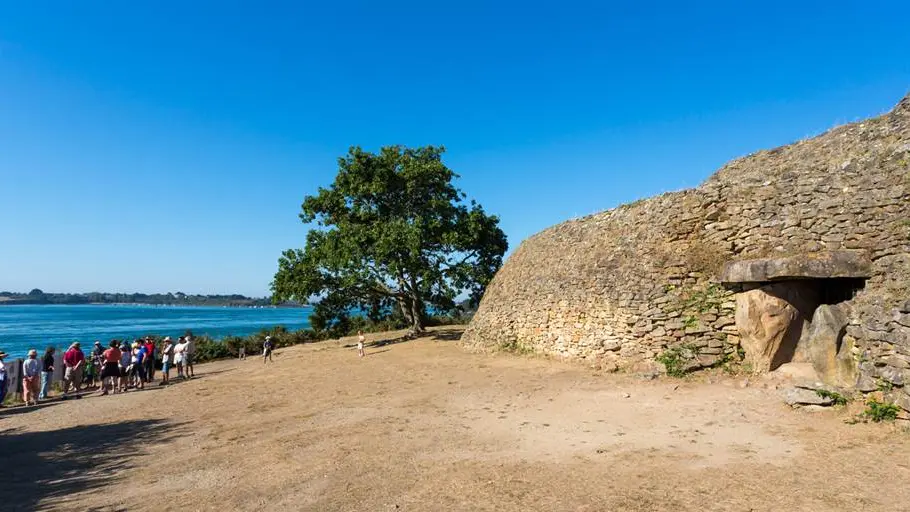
25, 327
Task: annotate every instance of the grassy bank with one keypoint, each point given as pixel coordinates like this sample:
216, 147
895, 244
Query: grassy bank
210, 349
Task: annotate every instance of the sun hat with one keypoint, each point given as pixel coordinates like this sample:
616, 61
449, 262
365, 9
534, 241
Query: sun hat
3, 354
32, 352
97, 342
167, 338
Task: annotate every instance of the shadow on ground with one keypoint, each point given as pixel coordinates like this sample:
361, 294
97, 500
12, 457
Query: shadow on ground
40, 470
438, 335
447, 335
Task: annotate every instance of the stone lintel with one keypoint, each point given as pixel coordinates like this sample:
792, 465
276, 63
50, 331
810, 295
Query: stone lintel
819, 265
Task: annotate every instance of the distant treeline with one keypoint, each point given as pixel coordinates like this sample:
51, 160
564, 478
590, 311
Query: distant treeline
37, 296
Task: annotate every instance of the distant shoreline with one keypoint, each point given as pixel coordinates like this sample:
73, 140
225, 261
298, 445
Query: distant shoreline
235, 306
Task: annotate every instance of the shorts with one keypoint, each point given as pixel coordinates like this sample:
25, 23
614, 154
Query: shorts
73, 375
166, 366
359, 346
188, 359
110, 370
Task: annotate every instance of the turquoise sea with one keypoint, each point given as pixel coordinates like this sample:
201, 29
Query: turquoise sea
25, 327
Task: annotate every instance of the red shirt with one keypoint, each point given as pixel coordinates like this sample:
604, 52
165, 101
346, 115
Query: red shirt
72, 357
112, 355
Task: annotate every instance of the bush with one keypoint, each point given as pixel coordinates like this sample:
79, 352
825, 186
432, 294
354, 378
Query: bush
208, 349
838, 398
879, 411
676, 359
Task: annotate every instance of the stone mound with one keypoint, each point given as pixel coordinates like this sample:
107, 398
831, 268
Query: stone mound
821, 222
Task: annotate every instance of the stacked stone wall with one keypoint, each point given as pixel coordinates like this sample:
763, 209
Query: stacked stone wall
621, 287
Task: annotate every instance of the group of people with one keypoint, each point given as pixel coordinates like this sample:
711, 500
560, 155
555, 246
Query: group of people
115, 369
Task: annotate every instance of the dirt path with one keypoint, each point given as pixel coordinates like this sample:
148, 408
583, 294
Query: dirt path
422, 425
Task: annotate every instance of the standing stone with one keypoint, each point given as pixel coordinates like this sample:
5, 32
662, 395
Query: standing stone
823, 339
764, 322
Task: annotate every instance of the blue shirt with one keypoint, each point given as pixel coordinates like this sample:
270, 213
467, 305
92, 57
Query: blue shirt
141, 355
31, 368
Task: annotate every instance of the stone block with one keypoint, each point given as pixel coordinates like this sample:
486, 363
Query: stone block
832, 264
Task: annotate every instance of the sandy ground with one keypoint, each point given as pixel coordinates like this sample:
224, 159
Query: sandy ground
422, 426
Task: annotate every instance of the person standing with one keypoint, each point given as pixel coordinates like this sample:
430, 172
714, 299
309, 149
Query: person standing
97, 353
74, 362
31, 375
136, 363
47, 373
110, 371
179, 355
360, 340
125, 357
149, 359
4, 380
189, 354
167, 352
267, 350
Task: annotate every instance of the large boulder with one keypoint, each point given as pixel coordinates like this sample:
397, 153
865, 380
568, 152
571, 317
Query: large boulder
766, 323
822, 341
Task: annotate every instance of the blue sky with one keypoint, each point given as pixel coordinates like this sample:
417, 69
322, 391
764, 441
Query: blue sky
164, 146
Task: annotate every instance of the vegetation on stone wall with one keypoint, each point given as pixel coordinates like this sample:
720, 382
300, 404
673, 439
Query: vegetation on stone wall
880, 411
631, 283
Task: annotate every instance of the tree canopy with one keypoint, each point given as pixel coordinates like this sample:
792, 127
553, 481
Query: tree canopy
392, 236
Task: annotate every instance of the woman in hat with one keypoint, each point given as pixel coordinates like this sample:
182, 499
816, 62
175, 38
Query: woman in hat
167, 352
125, 358
31, 373
4, 381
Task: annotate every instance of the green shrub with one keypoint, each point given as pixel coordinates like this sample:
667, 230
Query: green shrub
879, 411
836, 397
513, 347
676, 359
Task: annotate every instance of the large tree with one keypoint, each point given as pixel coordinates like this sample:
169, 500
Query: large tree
391, 234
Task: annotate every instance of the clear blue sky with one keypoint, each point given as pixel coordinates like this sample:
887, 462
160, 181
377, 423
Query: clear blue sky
164, 146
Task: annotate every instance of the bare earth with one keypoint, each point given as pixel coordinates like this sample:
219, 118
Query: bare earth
422, 426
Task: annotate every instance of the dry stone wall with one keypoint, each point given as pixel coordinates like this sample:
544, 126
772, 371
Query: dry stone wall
619, 288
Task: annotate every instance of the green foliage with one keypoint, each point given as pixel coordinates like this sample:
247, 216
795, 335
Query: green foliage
884, 385
690, 322
208, 349
879, 411
837, 398
513, 347
706, 300
676, 359
392, 236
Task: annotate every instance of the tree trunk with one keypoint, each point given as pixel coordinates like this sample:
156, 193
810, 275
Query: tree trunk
405, 311
417, 316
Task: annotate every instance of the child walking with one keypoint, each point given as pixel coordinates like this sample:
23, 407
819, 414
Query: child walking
267, 350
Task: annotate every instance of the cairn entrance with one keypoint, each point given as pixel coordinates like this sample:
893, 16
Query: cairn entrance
796, 309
